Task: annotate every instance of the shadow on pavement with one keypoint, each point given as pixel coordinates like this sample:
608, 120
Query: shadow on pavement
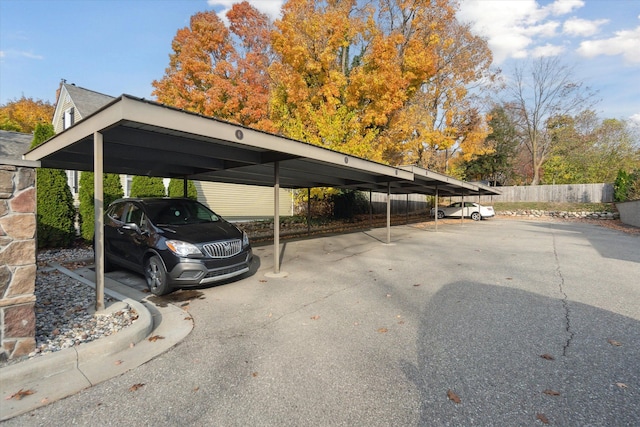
485, 344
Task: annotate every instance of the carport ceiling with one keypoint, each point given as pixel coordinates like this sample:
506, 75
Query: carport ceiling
141, 137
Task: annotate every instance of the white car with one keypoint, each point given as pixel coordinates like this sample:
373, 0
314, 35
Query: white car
472, 210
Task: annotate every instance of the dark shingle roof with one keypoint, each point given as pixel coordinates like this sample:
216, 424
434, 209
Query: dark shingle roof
14, 144
87, 101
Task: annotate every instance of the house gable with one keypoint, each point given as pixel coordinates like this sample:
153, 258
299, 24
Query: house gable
74, 103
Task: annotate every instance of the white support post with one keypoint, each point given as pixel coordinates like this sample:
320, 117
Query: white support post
389, 212
98, 206
276, 217
435, 203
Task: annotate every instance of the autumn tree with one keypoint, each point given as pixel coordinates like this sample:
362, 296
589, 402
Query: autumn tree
537, 93
221, 72
496, 166
22, 115
381, 80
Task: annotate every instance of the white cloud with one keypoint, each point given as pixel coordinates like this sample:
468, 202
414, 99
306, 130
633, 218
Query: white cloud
503, 23
582, 27
268, 7
547, 50
625, 43
31, 55
24, 54
635, 119
562, 7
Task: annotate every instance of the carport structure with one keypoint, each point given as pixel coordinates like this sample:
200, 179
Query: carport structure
140, 137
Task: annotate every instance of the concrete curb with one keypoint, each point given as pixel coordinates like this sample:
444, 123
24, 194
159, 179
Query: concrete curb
57, 375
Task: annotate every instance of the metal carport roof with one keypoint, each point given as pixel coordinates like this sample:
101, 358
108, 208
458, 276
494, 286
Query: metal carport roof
141, 137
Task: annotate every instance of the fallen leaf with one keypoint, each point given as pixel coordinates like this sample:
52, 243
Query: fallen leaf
188, 318
255, 374
452, 396
547, 356
118, 362
196, 388
509, 278
132, 344
262, 281
622, 385
136, 387
401, 322
155, 338
614, 342
44, 401
417, 284
383, 330
20, 394
551, 392
542, 418
316, 317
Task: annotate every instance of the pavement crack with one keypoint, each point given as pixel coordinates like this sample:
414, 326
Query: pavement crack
80, 370
565, 302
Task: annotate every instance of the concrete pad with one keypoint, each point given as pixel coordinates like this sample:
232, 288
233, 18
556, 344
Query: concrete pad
54, 376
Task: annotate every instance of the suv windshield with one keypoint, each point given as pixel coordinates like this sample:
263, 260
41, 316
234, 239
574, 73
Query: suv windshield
180, 212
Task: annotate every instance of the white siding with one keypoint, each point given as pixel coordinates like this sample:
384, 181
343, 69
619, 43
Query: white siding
242, 201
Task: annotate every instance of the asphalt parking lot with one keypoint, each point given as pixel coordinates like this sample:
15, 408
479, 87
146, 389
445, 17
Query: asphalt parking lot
498, 322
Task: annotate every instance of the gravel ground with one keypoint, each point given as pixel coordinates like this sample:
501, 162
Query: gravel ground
65, 314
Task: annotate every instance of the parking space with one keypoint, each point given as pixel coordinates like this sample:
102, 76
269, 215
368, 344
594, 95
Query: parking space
520, 320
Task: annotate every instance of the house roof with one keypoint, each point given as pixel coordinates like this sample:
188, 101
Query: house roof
14, 144
86, 101
142, 137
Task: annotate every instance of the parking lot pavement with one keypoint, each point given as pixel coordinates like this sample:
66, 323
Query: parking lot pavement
499, 322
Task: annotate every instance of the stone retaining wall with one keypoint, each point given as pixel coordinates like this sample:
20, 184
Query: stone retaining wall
533, 213
629, 212
17, 260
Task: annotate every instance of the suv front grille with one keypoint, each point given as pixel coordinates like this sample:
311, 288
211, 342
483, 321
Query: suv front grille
225, 249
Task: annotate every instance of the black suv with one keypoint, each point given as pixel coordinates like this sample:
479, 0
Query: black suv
174, 242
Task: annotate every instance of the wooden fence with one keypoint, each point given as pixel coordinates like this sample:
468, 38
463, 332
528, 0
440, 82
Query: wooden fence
566, 193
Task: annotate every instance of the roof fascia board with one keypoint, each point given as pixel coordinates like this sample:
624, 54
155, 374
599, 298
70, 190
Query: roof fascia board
85, 128
162, 116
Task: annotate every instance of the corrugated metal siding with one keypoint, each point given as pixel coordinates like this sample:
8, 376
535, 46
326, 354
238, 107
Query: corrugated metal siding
242, 201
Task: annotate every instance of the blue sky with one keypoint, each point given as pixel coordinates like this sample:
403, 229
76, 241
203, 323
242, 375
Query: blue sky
121, 46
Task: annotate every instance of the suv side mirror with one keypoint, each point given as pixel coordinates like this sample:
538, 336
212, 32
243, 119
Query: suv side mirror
132, 226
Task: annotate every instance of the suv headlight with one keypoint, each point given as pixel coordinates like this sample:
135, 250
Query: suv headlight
245, 239
182, 249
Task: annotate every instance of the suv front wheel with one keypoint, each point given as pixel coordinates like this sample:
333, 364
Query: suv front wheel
156, 276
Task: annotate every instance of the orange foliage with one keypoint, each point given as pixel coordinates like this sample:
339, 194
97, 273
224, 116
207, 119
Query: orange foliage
207, 74
22, 115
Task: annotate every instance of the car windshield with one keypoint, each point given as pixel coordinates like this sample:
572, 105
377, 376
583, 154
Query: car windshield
180, 212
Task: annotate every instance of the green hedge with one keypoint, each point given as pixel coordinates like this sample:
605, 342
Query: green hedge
112, 191
176, 189
145, 186
55, 211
